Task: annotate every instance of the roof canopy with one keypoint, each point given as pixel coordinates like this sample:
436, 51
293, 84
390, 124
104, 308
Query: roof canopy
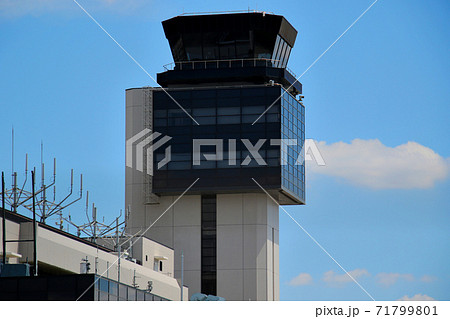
229, 36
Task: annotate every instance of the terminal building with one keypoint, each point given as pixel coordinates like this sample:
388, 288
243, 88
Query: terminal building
214, 151
71, 268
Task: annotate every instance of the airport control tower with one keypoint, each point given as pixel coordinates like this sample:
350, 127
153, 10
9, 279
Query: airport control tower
226, 122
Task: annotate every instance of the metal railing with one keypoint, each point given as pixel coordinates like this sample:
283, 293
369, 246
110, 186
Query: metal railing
223, 64
226, 12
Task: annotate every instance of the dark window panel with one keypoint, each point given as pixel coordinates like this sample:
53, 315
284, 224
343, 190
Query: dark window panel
205, 120
203, 103
204, 111
254, 92
228, 93
230, 119
258, 110
228, 111
208, 244
228, 102
203, 94
160, 122
253, 101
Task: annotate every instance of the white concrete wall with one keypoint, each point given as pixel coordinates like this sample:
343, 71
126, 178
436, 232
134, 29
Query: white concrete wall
134, 179
146, 250
247, 242
247, 247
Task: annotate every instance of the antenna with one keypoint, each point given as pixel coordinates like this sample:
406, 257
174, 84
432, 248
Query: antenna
94, 212
20, 197
43, 173
135, 285
54, 170
42, 152
60, 222
87, 202
12, 150
43, 207
94, 219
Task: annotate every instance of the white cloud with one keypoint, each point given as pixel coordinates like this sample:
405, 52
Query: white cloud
428, 278
417, 297
333, 278
371, 164
302, 279
15, 8
388, 279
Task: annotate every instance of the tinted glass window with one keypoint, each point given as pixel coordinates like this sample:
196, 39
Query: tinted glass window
208, 245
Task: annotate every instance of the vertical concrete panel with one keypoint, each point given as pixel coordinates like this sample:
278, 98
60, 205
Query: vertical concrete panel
137, 216
229, 247
255, 246
261, 288
277, 287
230, 284
134, 97
250, 246
161, 214
229, 209
272, 213
187, 211
261, 247
250, 285
247, 224
162, 235
270, 263
276, 269
134, 119
255, 209
133, 178
192, 279
188, 239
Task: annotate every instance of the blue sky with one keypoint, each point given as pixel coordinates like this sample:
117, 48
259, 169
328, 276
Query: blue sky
377, 101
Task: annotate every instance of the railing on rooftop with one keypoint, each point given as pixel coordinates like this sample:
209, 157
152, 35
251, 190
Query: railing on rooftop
225, 12
224, 64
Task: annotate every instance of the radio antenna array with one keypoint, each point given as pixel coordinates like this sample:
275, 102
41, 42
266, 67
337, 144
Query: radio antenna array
95, 230
17, 196
46, 206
